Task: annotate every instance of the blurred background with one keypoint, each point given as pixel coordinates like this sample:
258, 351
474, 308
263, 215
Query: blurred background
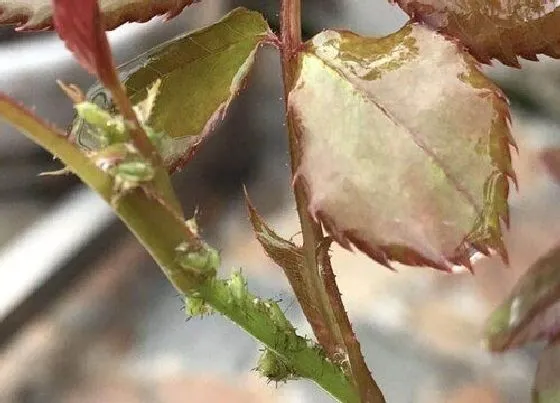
86, 316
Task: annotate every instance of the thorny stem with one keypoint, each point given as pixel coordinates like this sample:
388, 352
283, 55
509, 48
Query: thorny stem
339, 334
314, 301
368, 388
309, 362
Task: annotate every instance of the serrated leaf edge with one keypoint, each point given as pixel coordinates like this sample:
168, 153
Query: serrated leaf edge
468, 249
27, 19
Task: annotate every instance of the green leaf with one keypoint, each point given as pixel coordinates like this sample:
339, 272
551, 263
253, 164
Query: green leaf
532, 310
33, 15
405, 146
546, 388
499, 30
200, 74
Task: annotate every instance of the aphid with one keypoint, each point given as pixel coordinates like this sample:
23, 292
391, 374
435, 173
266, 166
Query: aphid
84, 131
104, 129
128, 168
201, 258
271, 366
196, 306
237, 286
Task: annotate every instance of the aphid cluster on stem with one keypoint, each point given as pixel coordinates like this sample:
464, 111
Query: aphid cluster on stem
200, 259
114, 153
274, 368
125, 164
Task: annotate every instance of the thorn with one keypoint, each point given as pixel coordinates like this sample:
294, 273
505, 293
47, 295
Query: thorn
72, 91
63, 171
293, 236
272, 39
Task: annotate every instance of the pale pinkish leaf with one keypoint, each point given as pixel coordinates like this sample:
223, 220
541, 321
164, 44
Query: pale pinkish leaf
405, 146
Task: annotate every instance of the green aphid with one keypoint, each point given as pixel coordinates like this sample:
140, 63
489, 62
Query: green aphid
201, 258
95, 127
196, 306
274, 368
135, 172
104, 128
278, 316
237, 286
128, 168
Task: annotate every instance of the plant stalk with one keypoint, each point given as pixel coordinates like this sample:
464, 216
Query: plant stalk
309, 362
368, 388
338, 336
320, 316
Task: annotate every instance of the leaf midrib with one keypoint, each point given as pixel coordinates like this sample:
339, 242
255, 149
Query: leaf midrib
416, 138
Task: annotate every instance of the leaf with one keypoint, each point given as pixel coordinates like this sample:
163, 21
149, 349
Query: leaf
532, 310
200, 73
83, 34
405, 146
494, 29
33, 15
546, 388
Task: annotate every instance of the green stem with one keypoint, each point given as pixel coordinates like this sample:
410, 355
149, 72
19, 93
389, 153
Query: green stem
307, 361
160, 228
368, 388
